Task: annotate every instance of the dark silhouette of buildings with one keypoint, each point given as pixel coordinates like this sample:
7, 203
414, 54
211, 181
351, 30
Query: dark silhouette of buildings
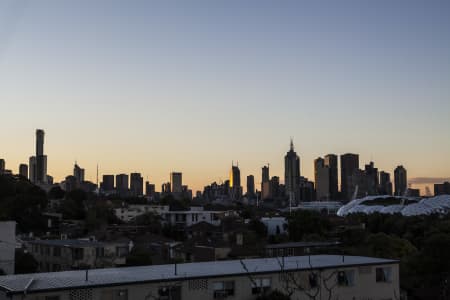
371, 174
176, 182
235, 183
78, 173
122, 184
349, 163
23, 170
401, 181
442, 188
326, 177
107, 183
292, 174
2, 166
136, 184
331, 161
385, 187
250, 185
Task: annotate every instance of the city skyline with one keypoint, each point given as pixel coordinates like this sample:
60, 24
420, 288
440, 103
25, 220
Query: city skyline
417, 182
214, 83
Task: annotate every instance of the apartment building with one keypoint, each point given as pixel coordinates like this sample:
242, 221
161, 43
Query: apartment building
61, 255
349, 277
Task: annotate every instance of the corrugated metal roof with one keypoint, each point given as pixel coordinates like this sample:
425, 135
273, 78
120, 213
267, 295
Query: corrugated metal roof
135, 275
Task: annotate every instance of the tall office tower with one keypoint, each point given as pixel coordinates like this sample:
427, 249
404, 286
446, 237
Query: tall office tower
292, 174
401, 181
372, 179
107, 183
306, 190
32, 169
385, 184
41, 159
176, 182
349, 163
331, 161
122, 184
322, 180
149, 189
250, 185
357, 184
165, 188
275, 186
136, 184
2, 166
235, 183
23, 170
78, 173
265, 174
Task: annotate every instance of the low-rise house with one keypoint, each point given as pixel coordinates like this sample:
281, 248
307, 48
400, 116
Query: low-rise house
325, 276
60, 255
275, 225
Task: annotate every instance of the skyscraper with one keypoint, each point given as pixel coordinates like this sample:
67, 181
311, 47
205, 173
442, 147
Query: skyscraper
385, 184
23, 170
349, 163
32, 169
122, 184
41, 159
235, 183
176, 182
401, 181
107, 183
78, 173
331, 161
372, 179
265, 174
2, 166
322, 179
292, 173
250, 185
136, 184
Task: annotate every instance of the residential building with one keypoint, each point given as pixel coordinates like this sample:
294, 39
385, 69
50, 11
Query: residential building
350, 277
275, 225
62, 255
7, 246
401, 181
301, 248
349, 163
292, 174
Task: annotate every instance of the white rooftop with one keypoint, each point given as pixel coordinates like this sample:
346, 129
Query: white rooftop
41, 282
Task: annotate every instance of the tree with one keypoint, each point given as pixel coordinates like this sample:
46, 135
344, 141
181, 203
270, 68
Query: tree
304, 222
25, 263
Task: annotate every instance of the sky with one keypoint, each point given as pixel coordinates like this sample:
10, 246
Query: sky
190, 86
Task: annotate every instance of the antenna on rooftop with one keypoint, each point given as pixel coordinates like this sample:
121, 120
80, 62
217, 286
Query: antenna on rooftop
97, 175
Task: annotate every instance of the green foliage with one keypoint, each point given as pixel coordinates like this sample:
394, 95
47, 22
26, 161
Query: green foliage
25, 263
302, 222
151, 220
73, 206
388, 246
139, 257
56, 193
22, 202
258, 227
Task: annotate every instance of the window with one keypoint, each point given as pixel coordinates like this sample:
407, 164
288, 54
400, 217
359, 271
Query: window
384, 274
169, 293
346, 278
261, 286
99, 252
223, 289
77, 253
198, 284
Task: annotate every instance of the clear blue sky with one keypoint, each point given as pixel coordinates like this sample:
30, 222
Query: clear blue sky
157, 86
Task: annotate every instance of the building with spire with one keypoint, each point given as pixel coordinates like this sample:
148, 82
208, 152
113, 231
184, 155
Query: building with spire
292, 174
235, 183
